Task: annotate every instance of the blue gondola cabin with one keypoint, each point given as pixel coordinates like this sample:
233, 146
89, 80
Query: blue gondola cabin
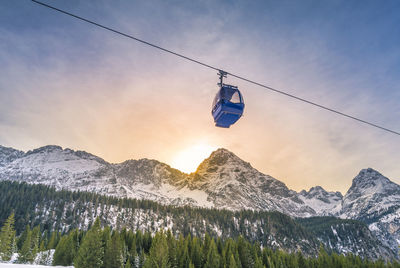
228, 106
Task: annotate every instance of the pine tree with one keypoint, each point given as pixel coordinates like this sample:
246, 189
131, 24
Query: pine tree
45, 255
323, 257
206, 247
258, 263
301, 262
35, 241
7, 239
113, 252
91, 251
232, 262
53, 241
267, 258
139, 262
22, 237
65, 251
172, 250
26, 254
158, 253
183, 246
105, 238
146, 242
244, 253
184, 259
196, 253
212, 256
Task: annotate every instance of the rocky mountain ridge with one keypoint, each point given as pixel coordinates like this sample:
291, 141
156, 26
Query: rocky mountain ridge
221, 181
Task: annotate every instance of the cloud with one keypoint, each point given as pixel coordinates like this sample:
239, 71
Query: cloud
71, 84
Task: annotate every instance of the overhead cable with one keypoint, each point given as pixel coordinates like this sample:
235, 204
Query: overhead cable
217, 69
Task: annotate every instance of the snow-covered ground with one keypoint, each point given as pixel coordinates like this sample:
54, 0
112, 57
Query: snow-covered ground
9, 265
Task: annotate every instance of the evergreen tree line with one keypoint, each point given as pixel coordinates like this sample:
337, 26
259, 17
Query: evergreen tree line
27, 245
65, 210
103, 247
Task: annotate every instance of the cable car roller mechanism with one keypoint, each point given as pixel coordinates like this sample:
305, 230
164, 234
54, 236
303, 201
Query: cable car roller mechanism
228, 104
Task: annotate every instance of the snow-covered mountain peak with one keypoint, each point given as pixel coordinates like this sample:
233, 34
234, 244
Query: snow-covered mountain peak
222, 153
320, 193
148, 171
375, 199
51, 165
143, 163
224, 169
8, 155
45, 149
370, 179
316, 190
222, 160
86, 155
55, 151
322, 201
234, 184
369, 183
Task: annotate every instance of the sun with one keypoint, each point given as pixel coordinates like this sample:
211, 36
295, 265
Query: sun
189, 159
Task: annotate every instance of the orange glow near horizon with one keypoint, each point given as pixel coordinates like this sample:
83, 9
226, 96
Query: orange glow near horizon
190, 158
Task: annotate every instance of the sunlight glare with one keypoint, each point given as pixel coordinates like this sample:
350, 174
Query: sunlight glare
190, 158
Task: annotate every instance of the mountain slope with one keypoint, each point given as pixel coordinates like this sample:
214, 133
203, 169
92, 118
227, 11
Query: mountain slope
65, 210
372, 199
347, 236
7, 155
324, 203
77, 170
370, 195
375, 200
232, 183
221, 181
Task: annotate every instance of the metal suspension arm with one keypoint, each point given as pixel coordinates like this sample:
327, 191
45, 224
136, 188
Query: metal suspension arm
221, 74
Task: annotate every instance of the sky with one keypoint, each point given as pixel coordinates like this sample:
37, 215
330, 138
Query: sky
66, 82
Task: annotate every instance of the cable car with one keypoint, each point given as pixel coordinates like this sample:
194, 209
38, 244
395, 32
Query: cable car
228, 104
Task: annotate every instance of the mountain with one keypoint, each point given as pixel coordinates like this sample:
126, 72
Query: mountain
78, 170
323, 203
347, 236
370, 195
66, 210
222, 181
234, 184
372, 199
375, 200
7, 155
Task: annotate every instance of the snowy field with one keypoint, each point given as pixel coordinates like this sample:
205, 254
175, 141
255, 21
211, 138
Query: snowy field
9, 265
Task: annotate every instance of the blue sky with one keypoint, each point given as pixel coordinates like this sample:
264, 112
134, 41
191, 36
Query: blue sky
68, 83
